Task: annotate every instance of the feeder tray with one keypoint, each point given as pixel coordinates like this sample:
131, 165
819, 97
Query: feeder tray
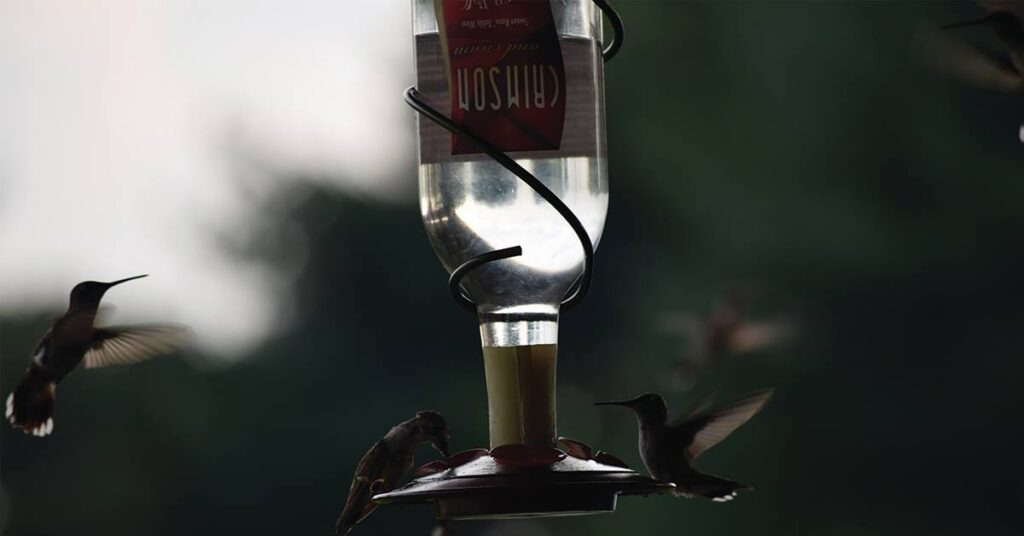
486, 489
487, 484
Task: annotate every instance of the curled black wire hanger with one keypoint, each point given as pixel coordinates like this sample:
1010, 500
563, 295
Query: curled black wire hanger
581, 286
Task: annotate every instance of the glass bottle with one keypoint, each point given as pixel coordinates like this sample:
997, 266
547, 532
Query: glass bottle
471, 205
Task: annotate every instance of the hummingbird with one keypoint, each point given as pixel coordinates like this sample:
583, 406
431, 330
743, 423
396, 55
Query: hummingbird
727, 330
1000, 71
382, 467
667, 449
73, 339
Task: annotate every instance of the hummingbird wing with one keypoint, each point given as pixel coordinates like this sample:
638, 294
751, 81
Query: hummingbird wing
694, 331
124, 345
752, 336
39, 353
705, 430
1014, 6
367, 480
955, 58
703, 406
687, 324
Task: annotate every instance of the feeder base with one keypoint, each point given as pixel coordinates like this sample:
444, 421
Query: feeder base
484, 489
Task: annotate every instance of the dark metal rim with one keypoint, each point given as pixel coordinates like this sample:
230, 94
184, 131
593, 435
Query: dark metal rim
620, 487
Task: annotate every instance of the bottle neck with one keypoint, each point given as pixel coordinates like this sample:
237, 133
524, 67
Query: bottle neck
519, 349
519, 326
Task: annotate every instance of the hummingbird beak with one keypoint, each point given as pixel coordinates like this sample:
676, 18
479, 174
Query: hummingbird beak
626, 403
982, 20
441, 444
119, 281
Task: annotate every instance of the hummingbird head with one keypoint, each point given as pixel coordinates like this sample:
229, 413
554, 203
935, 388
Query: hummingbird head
87, 295
430, 426
649, 407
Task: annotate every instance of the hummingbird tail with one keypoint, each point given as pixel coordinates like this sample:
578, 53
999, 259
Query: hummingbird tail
712, 487
358, 506
30, 406
350, 517
344, 525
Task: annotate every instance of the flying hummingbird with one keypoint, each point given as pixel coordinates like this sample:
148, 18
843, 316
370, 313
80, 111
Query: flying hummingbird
1001, 71
384, 465
726, 331
667, 449
73, 339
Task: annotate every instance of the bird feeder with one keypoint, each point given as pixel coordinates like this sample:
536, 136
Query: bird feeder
513, 193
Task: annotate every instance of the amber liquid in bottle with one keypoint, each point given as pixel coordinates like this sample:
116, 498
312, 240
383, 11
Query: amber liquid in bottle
521, 394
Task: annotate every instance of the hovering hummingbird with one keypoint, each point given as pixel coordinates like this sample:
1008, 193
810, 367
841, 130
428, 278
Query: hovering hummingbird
667, 449
727, 330
384, 465
73, 339
1000, 71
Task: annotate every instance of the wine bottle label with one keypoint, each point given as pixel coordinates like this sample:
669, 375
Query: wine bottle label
506, 76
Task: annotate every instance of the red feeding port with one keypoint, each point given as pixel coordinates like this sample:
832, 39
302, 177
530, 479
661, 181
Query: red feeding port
455, 460
608, 459
576, 449
523, 456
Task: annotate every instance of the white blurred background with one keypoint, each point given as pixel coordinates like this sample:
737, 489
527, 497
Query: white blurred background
120, 117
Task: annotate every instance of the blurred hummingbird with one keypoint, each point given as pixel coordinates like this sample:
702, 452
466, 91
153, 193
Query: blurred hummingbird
1002, 71
667, 449
727, 330
387, 461
73, 339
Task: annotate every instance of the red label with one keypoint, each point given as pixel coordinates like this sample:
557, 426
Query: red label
506, 77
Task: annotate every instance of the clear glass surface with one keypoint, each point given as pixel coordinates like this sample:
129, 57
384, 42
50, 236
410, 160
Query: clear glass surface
471, 204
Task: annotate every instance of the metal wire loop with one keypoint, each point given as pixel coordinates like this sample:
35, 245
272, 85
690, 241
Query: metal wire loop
578, 290
617, 30
454, 282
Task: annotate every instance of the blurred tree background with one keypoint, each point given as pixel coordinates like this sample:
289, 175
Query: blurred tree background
798, 148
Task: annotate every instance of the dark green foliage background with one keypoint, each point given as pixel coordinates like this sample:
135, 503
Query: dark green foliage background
795, 147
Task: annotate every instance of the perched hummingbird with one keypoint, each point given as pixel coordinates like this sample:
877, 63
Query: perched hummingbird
668, 448
1002, 71
727, 330
73, 339
384, 465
